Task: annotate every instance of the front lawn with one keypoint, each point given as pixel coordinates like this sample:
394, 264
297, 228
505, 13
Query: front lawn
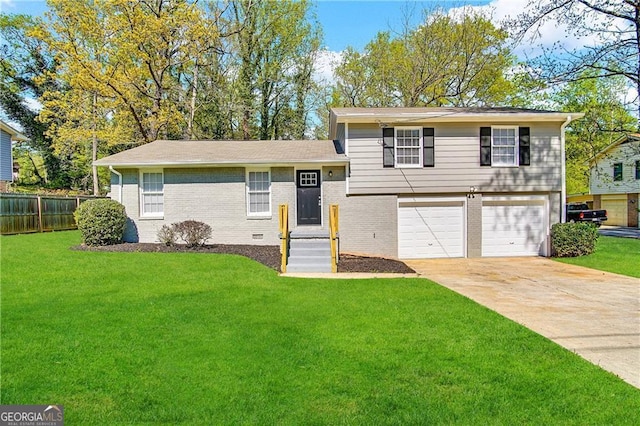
613, 254
146, 338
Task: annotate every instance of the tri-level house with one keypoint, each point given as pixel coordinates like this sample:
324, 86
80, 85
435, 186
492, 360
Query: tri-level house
409, 183
614, 181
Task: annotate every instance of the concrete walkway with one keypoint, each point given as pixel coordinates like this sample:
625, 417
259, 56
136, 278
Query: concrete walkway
592, 313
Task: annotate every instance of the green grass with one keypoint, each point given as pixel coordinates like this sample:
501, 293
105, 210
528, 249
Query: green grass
613, 254
147, 338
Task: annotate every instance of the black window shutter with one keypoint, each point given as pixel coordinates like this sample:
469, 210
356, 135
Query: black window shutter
428, 146
485, 146
524, 146
388, 136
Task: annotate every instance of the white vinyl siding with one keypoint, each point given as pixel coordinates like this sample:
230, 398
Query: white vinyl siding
258, 193
151, 194
457, 163
408, 147
620, 162
504, 146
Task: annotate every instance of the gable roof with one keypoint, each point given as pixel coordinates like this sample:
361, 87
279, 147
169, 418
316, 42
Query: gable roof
384, 116
15, 135
216, 153
628, 138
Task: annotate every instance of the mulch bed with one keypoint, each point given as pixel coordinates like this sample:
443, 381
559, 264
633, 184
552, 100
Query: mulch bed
267, 255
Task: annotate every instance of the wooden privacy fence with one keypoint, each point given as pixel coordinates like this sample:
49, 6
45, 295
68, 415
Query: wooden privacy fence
23, 213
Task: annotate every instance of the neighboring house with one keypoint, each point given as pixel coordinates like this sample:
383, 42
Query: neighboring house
409, 182
7, 135
614, 180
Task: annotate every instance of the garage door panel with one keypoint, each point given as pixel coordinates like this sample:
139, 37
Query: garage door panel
512, 229
616, 208
426, 231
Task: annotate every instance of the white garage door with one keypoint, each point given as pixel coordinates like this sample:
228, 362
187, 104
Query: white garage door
513, 228
430, 229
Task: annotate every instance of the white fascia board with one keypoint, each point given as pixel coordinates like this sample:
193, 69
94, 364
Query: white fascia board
221, 164
450, 117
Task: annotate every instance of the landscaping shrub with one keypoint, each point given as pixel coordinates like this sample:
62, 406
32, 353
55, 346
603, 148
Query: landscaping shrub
101, 222
192, 232
167, 235
573, 239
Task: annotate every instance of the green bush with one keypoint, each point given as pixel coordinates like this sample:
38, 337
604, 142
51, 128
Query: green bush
573, 239
101, 222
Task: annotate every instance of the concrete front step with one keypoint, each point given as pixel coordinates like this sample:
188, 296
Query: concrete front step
309, 251
309, 267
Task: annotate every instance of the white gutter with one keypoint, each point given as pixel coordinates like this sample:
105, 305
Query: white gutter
115, 172
563, 193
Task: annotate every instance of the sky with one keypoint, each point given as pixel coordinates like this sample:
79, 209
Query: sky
344, 22
355, 22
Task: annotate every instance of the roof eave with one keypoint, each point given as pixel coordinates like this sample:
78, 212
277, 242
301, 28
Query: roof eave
178, 164
15, 135
361, 117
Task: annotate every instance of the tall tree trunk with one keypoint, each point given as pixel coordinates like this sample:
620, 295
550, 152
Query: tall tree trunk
192, 106
94, 145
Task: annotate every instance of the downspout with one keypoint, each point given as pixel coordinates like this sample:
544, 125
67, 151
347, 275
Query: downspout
563, 191
115, 172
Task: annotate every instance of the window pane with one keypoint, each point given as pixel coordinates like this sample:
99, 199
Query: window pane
152, 196
408, 147
258, 191
153, 203
617, 172
503, 150
259, 203
152, 182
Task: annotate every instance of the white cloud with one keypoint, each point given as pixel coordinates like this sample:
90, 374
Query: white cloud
548, 35
326, 62
6, 4
33, 104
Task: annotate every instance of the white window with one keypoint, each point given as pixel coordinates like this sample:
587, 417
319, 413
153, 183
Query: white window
259, 193
504, 146
151, 193
408, 147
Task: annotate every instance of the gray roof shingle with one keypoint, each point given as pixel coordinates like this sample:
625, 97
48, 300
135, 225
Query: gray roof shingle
202, 153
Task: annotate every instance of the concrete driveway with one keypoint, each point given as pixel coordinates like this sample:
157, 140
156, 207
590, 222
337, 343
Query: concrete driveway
592, 313
619, 231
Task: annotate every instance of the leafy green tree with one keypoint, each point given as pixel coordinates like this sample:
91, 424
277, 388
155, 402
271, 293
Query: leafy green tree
275, 44
27, 70
606, 119
130, 52
446, 61
613, 28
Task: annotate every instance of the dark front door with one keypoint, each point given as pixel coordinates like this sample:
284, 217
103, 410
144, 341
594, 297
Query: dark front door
309, 202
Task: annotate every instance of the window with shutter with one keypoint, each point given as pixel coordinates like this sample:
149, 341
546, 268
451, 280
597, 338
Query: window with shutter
505, 146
